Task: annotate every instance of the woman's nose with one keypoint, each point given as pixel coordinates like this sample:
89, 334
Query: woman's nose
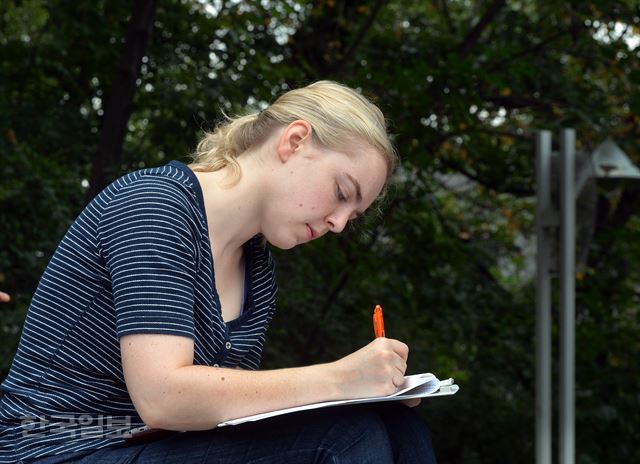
337, 222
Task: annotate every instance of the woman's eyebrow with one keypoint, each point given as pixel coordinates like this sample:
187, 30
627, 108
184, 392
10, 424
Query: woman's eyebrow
356, 184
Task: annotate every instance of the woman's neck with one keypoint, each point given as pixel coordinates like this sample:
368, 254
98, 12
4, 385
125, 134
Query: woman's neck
233, 212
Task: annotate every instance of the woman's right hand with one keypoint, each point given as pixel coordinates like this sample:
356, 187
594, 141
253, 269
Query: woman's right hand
4, 297
377, 369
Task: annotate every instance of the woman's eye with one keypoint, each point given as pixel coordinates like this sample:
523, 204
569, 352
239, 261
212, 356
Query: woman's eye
339, 194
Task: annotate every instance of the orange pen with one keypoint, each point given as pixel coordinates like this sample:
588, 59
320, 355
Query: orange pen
378, 322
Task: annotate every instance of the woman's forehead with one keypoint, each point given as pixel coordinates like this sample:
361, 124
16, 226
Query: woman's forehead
367, 170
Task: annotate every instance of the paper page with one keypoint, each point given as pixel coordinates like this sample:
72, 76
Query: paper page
427, 382
417, 385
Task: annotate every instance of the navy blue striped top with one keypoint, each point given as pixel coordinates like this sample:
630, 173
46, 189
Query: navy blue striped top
137, 260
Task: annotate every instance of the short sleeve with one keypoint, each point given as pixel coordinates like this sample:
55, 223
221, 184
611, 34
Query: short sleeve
148, 241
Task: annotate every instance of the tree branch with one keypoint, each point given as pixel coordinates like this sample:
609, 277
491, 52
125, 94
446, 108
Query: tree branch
348, 54
628, 205
120, 102
471, 40
519, 101
442, 6
536, 47
520, 192
488, 131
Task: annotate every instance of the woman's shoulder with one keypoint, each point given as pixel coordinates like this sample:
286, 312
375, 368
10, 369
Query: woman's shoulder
173, 175
164, 194
166, 184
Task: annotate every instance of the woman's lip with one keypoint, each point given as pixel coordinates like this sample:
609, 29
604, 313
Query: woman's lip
312, 232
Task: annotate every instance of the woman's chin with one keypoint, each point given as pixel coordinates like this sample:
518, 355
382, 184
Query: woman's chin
282, 243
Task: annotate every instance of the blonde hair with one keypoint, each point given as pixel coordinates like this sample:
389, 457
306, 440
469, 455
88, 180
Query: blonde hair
337, 114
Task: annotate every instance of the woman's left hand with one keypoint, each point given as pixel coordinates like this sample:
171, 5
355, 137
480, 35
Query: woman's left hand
412, 403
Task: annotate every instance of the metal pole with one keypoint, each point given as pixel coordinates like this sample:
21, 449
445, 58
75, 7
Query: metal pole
567, 296
544, 211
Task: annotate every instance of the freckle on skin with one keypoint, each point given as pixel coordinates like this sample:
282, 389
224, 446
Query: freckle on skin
300, 204
222, 378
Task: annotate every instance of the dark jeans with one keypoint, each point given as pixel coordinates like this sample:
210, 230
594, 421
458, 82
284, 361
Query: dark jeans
361, 434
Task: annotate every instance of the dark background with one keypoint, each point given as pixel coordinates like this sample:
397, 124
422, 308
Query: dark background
92, 89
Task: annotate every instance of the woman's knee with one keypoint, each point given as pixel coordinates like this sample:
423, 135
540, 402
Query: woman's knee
409, 435
356, 434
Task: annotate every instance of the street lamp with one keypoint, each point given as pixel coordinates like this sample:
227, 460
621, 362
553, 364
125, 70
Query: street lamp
556, 220
611, 162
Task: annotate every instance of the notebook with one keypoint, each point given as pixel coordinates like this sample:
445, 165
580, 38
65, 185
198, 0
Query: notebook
414, 386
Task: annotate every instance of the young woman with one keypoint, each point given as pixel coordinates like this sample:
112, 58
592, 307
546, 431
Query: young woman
154, 308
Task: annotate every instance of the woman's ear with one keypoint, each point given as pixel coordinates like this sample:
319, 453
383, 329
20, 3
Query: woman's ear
294, 137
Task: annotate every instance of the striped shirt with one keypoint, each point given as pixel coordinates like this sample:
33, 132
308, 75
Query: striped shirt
137, 260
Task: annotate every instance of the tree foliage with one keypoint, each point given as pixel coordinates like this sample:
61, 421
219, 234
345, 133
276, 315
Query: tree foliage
464, 84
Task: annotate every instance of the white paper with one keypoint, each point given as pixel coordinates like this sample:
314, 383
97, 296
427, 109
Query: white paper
414, 386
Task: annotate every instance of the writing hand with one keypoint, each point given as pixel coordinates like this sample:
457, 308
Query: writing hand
374, 370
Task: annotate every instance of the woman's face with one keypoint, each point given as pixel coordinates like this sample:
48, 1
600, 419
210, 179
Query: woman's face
319, 190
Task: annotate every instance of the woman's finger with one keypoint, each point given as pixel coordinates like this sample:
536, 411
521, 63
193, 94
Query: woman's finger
412, 403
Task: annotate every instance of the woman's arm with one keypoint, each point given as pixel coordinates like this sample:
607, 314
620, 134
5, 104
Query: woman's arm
169, 392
